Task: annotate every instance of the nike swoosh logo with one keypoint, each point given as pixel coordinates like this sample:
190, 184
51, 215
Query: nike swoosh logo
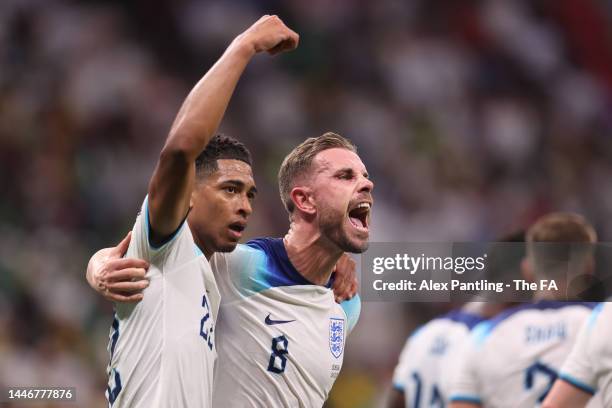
271, 322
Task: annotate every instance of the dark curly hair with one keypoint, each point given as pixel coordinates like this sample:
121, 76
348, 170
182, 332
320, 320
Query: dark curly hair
221, 147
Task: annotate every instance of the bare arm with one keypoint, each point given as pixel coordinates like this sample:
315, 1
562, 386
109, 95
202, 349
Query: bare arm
464, 405
565, 395
198, 119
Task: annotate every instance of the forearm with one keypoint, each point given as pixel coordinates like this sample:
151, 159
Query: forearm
198, 119
194, 126
204, 107
565, 395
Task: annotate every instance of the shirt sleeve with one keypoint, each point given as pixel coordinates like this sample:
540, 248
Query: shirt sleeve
402, 369
352, 310
579, 368
140, 244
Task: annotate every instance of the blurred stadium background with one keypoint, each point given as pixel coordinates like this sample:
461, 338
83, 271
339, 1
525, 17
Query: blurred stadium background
473, 117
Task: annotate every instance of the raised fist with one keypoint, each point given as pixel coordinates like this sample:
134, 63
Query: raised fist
270, 34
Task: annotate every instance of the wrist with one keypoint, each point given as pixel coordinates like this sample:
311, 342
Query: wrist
243, 46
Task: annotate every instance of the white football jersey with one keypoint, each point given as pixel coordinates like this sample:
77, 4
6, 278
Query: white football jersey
589, 365
163, 349
281, 338
513, 359
427, 355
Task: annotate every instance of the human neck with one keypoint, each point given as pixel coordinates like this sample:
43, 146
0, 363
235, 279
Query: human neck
553, 295
208, 252
486, 309
311, 254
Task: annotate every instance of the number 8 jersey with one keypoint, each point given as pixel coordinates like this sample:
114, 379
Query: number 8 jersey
281, 338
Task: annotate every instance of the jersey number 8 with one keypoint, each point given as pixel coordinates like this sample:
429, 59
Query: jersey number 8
280, 349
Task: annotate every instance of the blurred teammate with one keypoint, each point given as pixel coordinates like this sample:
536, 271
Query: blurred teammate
163, 349
416, 377
282, 333
421, 377
513, 359
588, 369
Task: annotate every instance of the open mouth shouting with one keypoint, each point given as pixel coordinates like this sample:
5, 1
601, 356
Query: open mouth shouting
359, 215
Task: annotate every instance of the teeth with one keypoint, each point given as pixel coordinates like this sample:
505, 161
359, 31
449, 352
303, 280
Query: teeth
363, 205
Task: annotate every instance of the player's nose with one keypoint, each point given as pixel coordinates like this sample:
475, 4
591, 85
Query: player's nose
245, 208
366, 185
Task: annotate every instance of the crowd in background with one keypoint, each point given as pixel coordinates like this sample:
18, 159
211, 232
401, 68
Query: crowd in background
472, 117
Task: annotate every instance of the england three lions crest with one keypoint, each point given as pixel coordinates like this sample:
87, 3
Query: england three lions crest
336, 336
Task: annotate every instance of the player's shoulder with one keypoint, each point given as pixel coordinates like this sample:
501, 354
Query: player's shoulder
453, 320
599, 318
272, 249
460, 318
268, 245
525, 314
175, 249
446, 328
262, 264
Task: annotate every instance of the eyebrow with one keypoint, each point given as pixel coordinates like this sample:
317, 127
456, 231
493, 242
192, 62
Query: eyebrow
348, 170
239, 183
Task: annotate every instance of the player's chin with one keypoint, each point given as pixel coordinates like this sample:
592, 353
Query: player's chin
227, 245
358, 246
356, 241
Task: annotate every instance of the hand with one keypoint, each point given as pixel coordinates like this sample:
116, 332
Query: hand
270, 34
118, 279
345, 283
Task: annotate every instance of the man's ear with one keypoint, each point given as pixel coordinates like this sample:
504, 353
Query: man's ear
303, 200
192, 199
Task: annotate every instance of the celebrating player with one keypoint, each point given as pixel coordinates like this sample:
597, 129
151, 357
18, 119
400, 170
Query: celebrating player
162, 349
588, 369
513, 359
282, 333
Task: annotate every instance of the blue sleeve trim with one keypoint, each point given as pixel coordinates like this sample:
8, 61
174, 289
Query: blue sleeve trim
145, 209
482, 331
466, 398
352, 309
594, 315
576, 383
398, 387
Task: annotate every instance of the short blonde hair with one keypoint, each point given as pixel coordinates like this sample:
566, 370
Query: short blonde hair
299, 161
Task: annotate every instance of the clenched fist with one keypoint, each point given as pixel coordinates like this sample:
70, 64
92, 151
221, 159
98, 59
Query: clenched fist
269, 34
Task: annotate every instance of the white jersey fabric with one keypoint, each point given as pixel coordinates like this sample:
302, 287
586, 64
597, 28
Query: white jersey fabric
163, 349
428, 354
589, 366
513, 359
281, 338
